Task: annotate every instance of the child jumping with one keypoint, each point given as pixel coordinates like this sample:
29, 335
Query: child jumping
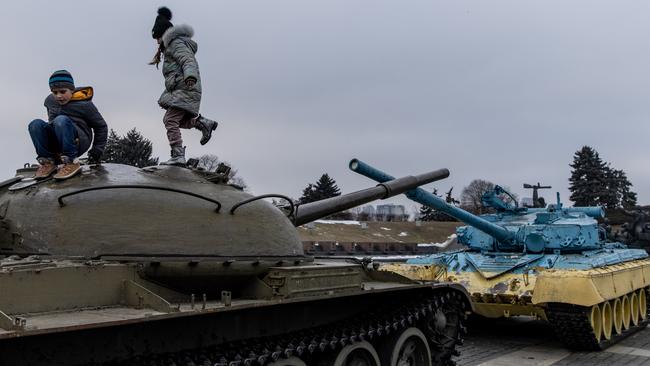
182, 95
73, 123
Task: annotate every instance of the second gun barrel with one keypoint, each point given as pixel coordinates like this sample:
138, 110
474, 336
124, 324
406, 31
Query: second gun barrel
315, 210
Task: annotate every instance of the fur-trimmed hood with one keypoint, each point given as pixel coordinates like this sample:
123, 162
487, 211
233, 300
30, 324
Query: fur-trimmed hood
177, 31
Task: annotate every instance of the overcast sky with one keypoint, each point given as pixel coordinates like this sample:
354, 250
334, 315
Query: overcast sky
505, 91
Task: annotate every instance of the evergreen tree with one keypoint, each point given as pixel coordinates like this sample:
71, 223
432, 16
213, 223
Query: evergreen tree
131, 149
440, 216
308, 194
327, 187
113, 147
588, 178
428, 213
324, 188
611, 197
594, 182
626, 198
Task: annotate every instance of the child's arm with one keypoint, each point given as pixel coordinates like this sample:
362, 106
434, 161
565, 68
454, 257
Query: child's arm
100, 130
50, 114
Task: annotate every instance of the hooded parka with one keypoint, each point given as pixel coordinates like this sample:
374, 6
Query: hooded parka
179, 64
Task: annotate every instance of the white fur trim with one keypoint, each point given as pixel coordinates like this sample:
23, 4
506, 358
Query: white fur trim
177, 31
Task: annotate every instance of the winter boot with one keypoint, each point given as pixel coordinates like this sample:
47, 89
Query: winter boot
206, 126
45, 169
178, 156
70, 168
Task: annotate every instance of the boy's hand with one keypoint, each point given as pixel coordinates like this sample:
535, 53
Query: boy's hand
190, 82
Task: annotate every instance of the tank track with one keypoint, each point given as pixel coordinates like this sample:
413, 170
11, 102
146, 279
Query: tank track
572, 326
312, 343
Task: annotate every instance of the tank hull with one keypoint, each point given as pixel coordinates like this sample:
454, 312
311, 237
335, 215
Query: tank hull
63, 312
555, 294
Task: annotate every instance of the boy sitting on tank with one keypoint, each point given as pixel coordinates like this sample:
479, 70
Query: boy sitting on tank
73, 121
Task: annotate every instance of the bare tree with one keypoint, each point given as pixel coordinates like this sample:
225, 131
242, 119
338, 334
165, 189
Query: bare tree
470, 197
210, 162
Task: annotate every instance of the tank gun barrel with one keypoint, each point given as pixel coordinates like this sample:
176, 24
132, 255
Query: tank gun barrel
308, 212
421, 196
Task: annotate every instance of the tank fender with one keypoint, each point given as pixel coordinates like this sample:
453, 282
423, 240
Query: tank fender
587, 288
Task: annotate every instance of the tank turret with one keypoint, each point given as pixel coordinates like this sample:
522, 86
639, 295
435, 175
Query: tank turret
117, 211
513, 228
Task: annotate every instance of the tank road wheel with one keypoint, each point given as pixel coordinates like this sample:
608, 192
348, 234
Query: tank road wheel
596, 321
634, 309
606, 310
409, 348
599, 326
291, 361
357, 354
617, 312
625, 304
643, 306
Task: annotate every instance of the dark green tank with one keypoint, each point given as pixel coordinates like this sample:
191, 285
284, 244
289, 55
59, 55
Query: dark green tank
171, 266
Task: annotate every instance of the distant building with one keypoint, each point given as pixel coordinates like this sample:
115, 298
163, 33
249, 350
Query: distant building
368, 210
366, 213
387, 212
391, 212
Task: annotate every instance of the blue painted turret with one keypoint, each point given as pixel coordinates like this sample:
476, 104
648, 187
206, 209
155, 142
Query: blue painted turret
554, 229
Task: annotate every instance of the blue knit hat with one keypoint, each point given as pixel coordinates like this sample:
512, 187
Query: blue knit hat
61, 79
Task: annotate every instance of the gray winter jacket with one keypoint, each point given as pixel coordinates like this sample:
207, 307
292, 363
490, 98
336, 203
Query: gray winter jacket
179, 64
85, 116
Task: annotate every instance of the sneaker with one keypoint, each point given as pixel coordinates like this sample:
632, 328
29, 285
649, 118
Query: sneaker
69, 169
45, 169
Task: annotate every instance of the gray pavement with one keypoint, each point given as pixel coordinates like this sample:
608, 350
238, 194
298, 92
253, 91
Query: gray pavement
524, 341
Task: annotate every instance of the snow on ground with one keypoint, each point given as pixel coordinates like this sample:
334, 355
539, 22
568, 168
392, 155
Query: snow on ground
403, 233
385, 228
344, 222
450, 240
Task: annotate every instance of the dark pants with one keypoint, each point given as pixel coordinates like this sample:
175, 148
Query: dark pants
59, 136
174, 120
